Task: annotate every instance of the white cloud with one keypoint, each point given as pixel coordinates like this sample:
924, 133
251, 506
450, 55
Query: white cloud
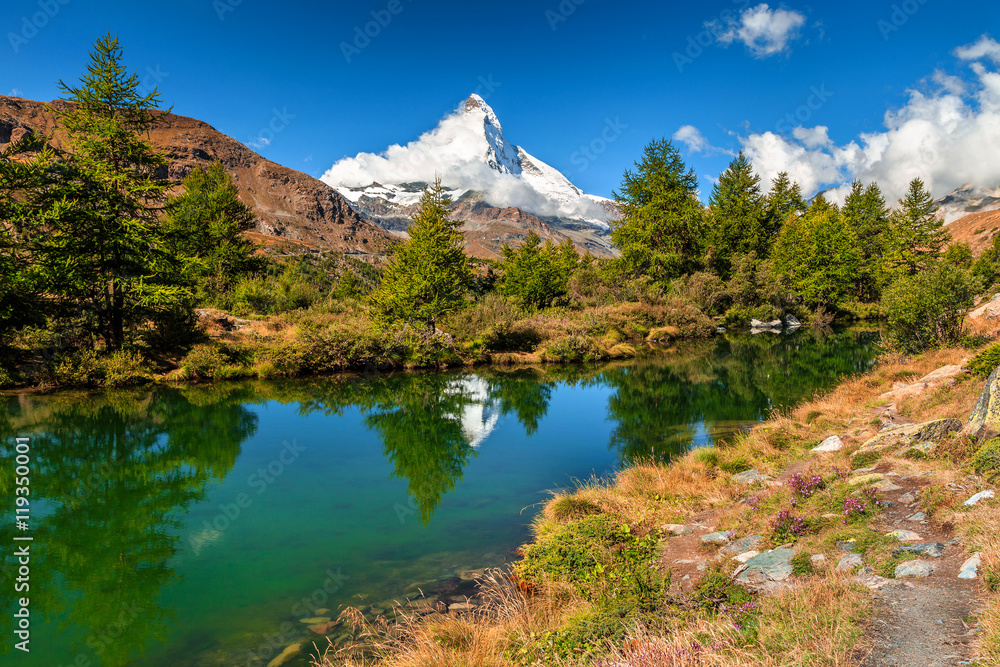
948, 137
455, 152
985, 47
15, 92
691, 136
764, 31
259, 142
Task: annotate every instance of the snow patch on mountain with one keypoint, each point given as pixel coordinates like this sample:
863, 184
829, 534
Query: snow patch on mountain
968, 199
469, 152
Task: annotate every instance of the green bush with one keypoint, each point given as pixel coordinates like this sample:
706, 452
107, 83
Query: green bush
927, 309
717, 591
986, 361
802, 564
512, 337
986, 461
124, 369
571, 349
280, 359
569, 508
212, 362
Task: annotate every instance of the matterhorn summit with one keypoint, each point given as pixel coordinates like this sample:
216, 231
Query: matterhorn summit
500, 190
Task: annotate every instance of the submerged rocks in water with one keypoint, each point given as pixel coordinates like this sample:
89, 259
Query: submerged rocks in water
315, 620
286, 655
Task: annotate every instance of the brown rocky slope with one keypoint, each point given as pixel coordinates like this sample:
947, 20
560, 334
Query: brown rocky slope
289, 204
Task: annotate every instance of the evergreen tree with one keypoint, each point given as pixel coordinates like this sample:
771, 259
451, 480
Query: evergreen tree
103, 245
784, 199
204, 223
737, 216
818, 254
536, 274
661, 230
916, 233
866, 214
429, 274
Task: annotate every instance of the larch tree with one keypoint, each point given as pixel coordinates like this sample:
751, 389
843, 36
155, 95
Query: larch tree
866, 214
661, 231
916, 233
429, 274
737, 216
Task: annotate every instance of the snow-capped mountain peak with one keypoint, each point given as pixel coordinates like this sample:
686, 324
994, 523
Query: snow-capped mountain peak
501, 155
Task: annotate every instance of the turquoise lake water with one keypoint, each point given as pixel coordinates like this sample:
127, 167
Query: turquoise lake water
195, 526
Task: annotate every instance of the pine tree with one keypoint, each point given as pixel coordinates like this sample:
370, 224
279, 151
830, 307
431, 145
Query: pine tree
536, 274
784, 199
737, 216
429, 274
818, 254
105, 249
660, 234
205, 222
866, 214
916, 233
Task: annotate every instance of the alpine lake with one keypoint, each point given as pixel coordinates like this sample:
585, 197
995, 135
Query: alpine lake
197, 526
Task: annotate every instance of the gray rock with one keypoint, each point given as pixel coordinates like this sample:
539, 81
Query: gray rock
677, 529
742, 545
886, 485
792, 321
768, 326
984, 422
904, 535
932, 549
750, 476
914, 568
818, 558
907, 498
919, 516
849, 545
982, 495
718, 537
849, 562
766, 571
970, 570
831, 444
286, 655
908, 435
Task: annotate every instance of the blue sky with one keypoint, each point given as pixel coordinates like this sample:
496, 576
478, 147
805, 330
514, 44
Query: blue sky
555, 73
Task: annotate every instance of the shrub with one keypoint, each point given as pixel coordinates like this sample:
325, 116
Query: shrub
211, 361
124, 369
806, 487
927, 309
857, 508
280, 359
986, 461
986, 361
571, 348
564, 508
786, 527
512, 337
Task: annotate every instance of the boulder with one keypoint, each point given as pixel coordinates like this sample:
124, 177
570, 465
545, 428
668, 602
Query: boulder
718, 537
908, 435
286, 655
984, 422
831, 444
914, 568
676, 529
766, 326
849, 562
932, 549
989, 311
315, 620
766, 571
744, 557
886, 485
742, 545
751, 476
792, 321
904, 535
970, 569
982, 495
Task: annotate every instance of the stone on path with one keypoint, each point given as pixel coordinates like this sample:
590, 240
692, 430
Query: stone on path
751, 476
904, 535
982, 495
919, 516
742, 545
970, 569
818, 558
766, 571
849, 562
907, 498
848, 545
908, 435
744, 557
932, 549
677, 529
718, 537
914, 568
886, 485
870, 478
831, 444
286, 655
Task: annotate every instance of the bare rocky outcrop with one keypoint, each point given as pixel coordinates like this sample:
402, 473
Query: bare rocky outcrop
289, 204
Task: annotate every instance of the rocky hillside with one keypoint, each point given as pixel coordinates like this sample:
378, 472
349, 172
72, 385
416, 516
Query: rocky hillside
289, 204
976, 229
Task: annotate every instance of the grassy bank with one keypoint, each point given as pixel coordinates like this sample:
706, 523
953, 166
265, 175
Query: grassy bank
596, 585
